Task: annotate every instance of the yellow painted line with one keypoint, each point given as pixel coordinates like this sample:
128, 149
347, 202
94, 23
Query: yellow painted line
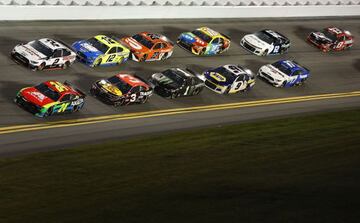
148, 114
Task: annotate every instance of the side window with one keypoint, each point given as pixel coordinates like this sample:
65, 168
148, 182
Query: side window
119, 49
112, 50
66, 52
57, 53
157, 46
66, 97
135, 89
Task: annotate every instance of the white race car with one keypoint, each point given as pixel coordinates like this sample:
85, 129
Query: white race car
265, 42
43, 54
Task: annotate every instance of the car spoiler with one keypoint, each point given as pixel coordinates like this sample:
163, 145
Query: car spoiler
65, 44
226, 36
76, 89
142, 79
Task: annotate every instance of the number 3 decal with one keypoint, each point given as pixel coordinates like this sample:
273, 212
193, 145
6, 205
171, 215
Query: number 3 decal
133, 98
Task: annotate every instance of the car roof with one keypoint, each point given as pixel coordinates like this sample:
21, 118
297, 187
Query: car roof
52, 44
60, 87
110, 43
292, 65
132, 80
155, 37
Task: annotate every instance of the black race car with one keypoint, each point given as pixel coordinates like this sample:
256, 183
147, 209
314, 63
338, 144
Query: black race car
122, 89
176, 82
265, 42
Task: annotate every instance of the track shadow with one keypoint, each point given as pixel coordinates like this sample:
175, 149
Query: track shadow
197, 68
357, 64
302, 32
7, 44
84, 81
236, 35
173, 33
67, 39
253, 65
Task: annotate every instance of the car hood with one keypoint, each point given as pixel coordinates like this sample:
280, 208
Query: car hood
320, 38
256, 41
32, 95
192, 39
84, 47
29, 52
217, 78
110, 88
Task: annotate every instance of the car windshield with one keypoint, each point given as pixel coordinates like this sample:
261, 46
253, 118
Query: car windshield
173, 77
330, 35
123, 86
282, 67
202, 35
98, 45
230, 77
37, 45
48, 92
143, 41
264, 36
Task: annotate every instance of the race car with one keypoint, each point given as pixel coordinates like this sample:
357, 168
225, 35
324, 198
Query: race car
122, 89
43, 54
229, 79
204, 41
147, 46
331, 38
50, 97
265, 42
284, 73
176, 82
101, 50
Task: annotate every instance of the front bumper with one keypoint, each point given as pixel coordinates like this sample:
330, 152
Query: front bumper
251, 48
20, 59
28, 106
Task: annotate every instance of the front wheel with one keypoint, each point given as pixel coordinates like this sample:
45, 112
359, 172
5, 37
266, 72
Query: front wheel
143, 100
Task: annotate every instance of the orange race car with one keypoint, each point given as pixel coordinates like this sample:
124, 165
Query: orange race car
148, 46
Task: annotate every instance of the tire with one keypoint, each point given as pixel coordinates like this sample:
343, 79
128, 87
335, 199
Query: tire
164, 57
48, 112
76, 108
175, 95
119, 103
143, 100
97, 62
66, 65
265, 52
143, 59
41, 66
197, 91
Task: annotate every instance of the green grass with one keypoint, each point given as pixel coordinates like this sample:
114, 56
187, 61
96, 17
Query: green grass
303, 169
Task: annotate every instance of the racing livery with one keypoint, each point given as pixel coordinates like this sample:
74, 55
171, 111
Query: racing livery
100, 50
284, 73
43, 54
265, 42
204, 41
229, 79
147, 46
122, 89
176, 82
50, 97
331, 38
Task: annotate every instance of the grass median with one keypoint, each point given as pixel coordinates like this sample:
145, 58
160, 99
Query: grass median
300, 169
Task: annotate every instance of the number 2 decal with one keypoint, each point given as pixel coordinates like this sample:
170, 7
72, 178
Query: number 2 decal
276, 49
55, 61
111, 58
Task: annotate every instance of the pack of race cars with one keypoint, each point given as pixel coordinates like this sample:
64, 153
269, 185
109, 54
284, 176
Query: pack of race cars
53, 97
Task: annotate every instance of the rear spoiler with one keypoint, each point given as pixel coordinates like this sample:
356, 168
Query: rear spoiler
65, 44
76, 89
227, 37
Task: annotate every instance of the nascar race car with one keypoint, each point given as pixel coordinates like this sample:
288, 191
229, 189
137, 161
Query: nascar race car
265, 42
176, 82
229, 79
148, 46
204, 41
100, 50
50, 97
284, 73
43, 54
331, 38
122, 89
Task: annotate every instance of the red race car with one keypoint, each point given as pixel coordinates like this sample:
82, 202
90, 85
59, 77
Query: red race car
331, 38
122, 89
148, 46
50, 97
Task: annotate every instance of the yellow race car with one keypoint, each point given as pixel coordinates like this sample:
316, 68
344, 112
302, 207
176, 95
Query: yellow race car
100, 50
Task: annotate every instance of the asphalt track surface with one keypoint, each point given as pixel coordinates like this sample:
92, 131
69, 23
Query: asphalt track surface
334, 82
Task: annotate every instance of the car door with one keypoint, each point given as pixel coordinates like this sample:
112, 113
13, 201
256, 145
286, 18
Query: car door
215, 46
238, 85
57, 59
63, 105
110, 56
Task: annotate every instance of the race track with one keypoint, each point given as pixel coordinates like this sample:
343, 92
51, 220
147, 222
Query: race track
330, 73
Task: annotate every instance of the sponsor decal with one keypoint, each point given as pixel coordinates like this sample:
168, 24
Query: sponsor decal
217, 77
37, 95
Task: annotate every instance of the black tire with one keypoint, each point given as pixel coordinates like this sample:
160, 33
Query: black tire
48, 112
41, 66
143, 100
119, 102
66, 65
97, 62
265, 52
164, 57
143, 59
197, 91
175, 95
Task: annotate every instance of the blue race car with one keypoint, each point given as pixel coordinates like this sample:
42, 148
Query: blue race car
100, 50
284, 73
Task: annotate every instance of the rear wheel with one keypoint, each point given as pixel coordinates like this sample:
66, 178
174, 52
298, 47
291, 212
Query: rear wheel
66, 65
265, 52
41, 66
48, 112
143, 100
197, 91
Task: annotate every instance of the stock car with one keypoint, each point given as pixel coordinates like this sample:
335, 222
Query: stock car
101, 50
50, 97
265, 42
122, 89
176, 82
43, 53
331, 38
229, 79
147, 46
284, 73
204, 41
